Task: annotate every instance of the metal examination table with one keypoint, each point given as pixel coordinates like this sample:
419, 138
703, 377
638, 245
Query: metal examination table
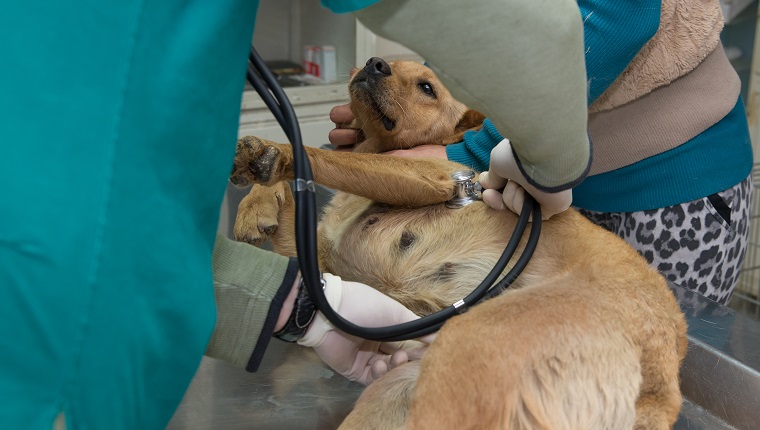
294, 390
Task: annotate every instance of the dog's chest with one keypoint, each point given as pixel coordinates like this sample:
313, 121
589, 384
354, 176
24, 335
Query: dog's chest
437, 252
352, 219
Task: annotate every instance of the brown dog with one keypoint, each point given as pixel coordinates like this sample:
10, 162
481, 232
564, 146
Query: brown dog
589, 337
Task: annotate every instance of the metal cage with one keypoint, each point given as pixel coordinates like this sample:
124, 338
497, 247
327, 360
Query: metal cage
746, 298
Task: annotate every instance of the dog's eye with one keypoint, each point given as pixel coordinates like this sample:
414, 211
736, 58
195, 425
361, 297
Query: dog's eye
427, 88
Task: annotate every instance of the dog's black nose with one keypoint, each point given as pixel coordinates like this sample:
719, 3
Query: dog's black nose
378, 67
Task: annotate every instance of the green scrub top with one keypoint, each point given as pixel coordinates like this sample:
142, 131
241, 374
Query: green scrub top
118, 122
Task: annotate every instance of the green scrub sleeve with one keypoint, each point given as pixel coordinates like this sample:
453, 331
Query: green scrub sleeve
520, 62
250, 285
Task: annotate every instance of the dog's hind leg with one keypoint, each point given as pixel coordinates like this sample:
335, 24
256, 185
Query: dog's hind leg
267, 212
384, 404
660, 400
659, 410
284, 241
541, 357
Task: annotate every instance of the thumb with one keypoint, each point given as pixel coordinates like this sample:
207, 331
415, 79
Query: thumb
489, 179
321, 326
420, 342
428, 339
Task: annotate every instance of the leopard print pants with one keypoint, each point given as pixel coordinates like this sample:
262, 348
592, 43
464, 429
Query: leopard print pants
699, 245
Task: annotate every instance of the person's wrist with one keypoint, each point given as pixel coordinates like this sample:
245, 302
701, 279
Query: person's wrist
315, 335
287, 306
299, 317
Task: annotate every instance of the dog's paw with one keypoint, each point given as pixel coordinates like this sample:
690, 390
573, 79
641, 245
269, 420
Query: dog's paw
258, 213
256, 161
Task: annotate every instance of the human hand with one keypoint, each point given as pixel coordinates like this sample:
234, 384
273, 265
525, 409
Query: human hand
504, 173
355, 358
422, 151
343, 136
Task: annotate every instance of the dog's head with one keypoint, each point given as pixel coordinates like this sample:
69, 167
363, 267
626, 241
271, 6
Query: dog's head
402, 104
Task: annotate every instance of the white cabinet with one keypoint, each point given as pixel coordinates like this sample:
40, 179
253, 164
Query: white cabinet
312, 105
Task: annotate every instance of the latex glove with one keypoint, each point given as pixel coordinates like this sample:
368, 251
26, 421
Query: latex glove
504, 173
355, 358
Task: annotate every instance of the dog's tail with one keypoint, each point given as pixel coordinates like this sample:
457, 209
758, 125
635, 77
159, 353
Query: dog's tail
384, 404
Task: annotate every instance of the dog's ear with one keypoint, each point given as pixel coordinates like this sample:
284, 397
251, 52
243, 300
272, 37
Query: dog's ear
471, 120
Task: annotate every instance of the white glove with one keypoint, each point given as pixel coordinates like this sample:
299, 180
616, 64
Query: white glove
504, 167
355, 358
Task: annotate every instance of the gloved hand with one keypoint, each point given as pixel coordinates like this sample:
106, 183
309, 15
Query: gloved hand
355, 358
503, 167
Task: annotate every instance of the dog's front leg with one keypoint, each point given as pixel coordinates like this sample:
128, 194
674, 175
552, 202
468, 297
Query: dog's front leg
260, 161
398, 181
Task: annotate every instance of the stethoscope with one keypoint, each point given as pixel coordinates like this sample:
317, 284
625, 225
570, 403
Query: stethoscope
265, 84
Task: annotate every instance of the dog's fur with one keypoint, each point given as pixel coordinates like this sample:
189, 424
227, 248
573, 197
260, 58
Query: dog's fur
589, 337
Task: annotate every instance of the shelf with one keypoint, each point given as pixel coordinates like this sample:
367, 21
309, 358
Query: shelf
300, 96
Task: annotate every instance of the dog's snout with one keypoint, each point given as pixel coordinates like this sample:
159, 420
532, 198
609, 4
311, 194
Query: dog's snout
378, 67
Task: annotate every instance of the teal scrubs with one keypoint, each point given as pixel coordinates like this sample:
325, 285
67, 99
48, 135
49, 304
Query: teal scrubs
343, 6
118, 123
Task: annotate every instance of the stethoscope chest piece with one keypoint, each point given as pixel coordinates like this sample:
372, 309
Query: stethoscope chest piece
465, 191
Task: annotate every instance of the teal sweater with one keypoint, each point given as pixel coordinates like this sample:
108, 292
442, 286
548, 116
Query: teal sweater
613, 33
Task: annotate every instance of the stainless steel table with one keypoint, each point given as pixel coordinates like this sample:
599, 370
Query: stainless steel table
294, 390
721, 372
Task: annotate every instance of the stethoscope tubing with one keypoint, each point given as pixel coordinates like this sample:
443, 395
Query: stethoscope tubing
266, 85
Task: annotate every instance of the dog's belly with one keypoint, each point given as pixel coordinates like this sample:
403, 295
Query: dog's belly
427, 258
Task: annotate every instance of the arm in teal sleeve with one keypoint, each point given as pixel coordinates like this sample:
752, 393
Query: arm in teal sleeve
250, 285
612, 39
520, 62
475, 149
614, 32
